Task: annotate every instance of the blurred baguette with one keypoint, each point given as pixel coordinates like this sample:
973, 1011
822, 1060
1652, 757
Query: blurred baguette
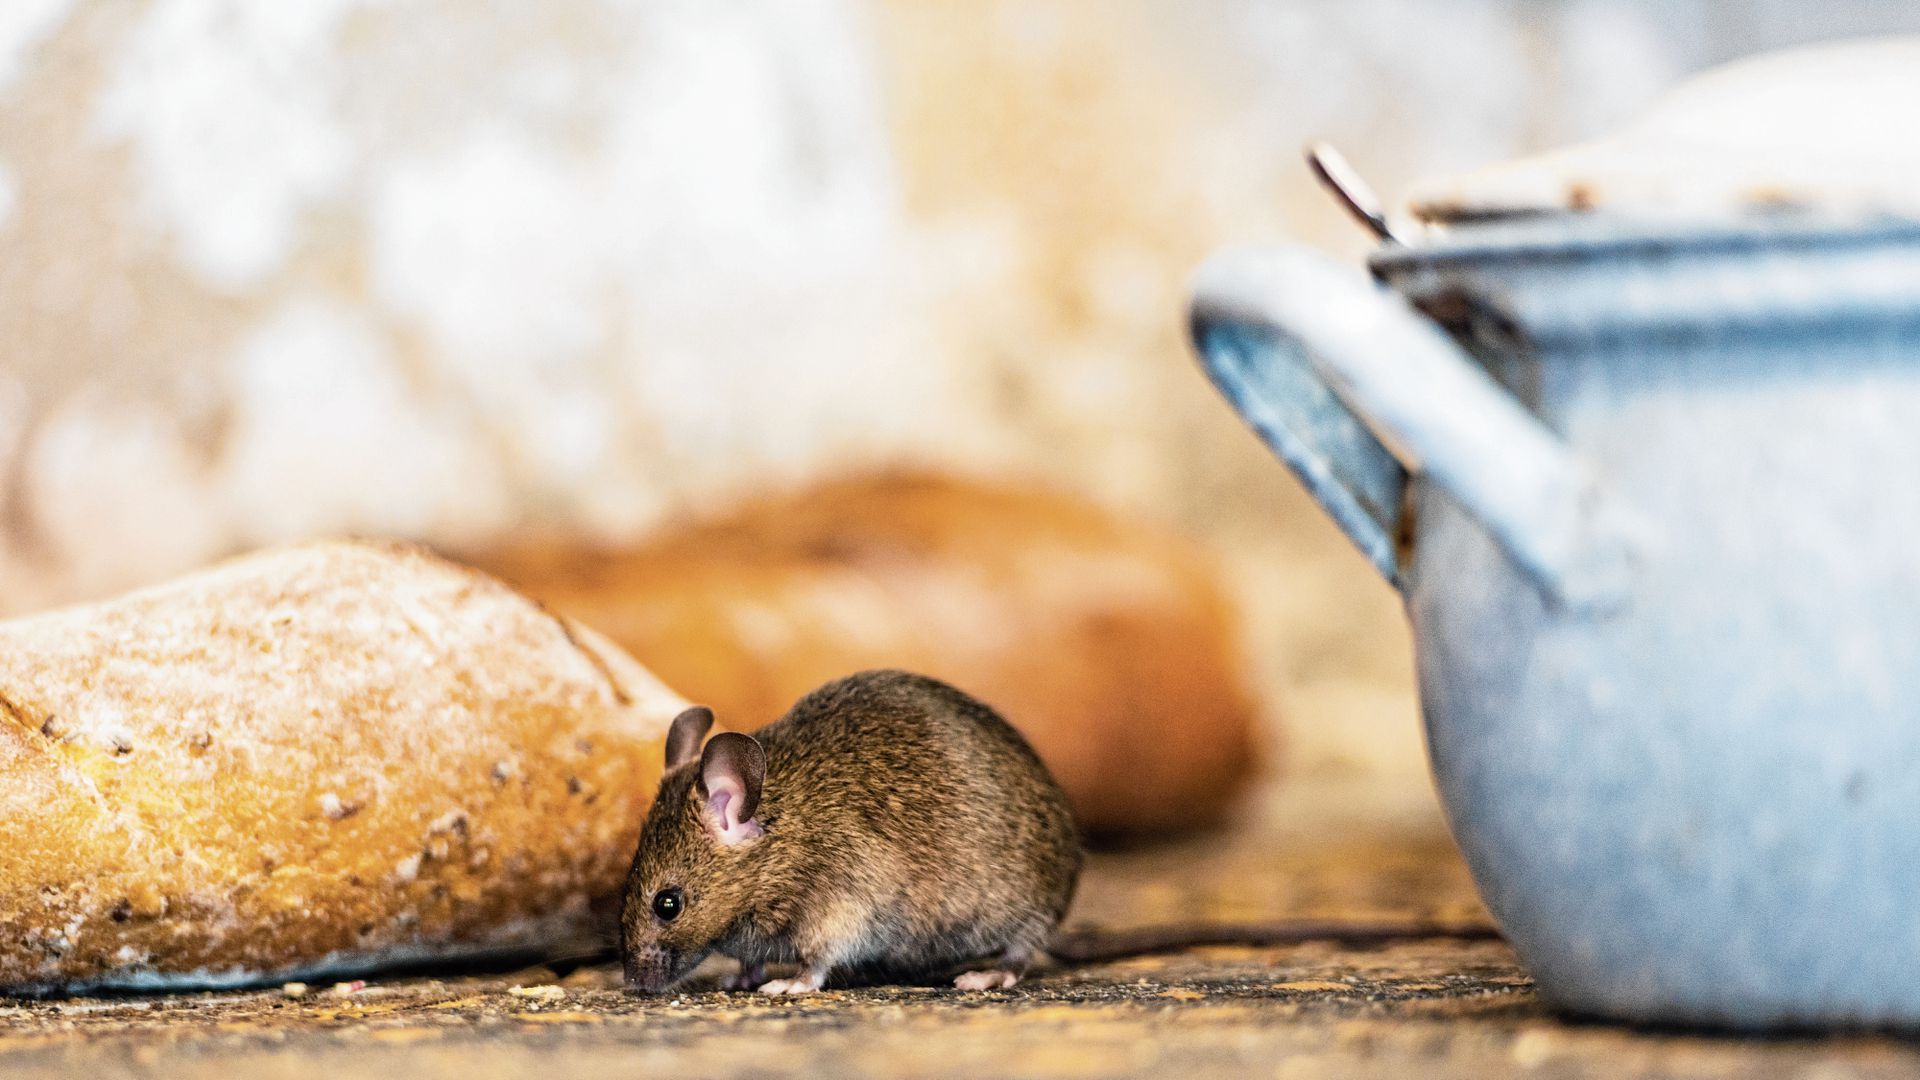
1110, 644
311, 760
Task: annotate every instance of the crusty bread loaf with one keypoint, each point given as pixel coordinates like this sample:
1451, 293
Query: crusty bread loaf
315, 759
1109, 643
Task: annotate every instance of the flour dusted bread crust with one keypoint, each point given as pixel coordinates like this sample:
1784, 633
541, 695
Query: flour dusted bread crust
311, 760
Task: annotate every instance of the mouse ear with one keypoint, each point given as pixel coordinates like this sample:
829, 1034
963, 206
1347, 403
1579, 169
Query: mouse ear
683, 738
731, 771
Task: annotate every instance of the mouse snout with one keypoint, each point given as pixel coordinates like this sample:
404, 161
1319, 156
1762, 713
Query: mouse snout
650, 970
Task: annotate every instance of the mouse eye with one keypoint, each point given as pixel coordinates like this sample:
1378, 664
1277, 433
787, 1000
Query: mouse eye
668, 902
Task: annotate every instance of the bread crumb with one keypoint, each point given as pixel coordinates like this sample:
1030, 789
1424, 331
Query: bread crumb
144, 899
451, 821
294, 989
547, 992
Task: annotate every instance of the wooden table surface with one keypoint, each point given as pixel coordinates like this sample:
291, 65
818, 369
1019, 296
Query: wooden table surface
1437, 1008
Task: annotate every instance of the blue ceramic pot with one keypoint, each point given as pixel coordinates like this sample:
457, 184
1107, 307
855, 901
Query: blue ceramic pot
1652, 495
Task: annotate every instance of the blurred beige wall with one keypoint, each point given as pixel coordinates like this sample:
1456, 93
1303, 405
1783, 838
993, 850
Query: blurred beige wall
447, 270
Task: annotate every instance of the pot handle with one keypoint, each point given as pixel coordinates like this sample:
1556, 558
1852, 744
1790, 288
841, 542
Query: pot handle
1314, 355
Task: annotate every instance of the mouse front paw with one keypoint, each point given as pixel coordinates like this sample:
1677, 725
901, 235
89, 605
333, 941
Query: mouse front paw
985, 980
749, 977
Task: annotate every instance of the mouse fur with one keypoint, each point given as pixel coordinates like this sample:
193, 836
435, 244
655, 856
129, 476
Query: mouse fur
888, 827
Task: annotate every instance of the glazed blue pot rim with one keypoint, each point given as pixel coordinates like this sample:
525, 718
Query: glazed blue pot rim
1584, 235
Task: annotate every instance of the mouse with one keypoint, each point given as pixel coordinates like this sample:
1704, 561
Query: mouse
889, 827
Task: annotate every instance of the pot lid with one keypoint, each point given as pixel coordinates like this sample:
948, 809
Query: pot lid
1833, 127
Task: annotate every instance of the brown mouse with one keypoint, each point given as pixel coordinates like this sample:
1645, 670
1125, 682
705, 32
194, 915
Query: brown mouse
887, 827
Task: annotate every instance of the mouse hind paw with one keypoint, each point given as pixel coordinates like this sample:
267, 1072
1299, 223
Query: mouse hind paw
985, 980
804, 983
1011, 965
